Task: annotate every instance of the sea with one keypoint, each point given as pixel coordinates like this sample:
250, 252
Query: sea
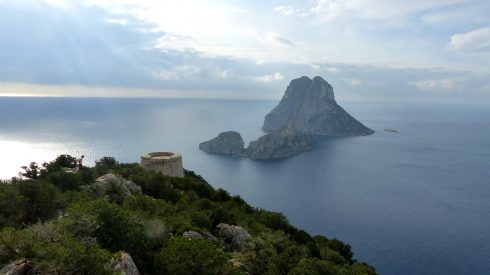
412, 202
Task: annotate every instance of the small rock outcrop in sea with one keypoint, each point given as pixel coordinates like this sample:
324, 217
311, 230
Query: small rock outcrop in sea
226, 143
389, 130
310, 105
282, 144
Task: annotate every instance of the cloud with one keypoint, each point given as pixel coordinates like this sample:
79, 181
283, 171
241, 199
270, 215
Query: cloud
382, 13
353, 82
434, 84
175, 42
363, 30
193, 72
476, 40
276, 39
463, 84
211, 25
285, 10
270, 77
269, 38
289, 10
45, 44
58, 3
165, 75
141, 45
329, 9
123, 22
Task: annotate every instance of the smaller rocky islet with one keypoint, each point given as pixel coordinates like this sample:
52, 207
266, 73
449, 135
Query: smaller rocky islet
307, 109
281, 144
226, 143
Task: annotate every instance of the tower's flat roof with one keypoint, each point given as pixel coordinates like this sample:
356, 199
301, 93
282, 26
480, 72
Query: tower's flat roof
161, 155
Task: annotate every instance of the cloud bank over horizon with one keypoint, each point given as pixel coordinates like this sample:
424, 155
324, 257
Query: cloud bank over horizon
368, 50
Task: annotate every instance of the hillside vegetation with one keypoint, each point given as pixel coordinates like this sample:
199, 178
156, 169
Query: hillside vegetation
63, 220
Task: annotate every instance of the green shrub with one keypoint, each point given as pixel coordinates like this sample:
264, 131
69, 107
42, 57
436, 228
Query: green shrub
12, 206
65, 181
334, 250
311, 266
43, 200
195, 256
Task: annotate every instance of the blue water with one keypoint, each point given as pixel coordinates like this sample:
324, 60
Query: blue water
416, 202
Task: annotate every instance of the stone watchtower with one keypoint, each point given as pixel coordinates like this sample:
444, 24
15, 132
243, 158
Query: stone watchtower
167, 163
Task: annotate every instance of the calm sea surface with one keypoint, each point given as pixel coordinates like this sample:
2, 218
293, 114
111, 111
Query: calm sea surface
416, 202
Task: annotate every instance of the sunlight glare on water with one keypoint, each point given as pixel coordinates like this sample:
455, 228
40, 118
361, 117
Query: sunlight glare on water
15, 153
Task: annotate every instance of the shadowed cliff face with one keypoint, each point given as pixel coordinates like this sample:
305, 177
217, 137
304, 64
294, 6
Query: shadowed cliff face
309, 105
278, 145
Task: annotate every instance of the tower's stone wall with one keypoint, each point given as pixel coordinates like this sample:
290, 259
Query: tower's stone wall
167, 163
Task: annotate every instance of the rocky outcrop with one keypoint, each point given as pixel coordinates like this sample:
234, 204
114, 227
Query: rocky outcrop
226, 143
192, 235
208, 236
196, 235
107, 184
123, 264
281, 144
309, 104
235, 236
19, 267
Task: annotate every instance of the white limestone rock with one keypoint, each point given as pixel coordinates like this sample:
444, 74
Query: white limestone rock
19, 267
123, 264
106, 184
235, 236
192, 235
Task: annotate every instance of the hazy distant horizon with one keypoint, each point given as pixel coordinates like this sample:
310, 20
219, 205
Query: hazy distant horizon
49, 91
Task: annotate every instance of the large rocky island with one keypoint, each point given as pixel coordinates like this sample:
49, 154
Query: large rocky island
309, 104
307, 109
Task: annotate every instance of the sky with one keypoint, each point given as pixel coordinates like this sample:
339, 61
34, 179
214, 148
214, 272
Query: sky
371, 50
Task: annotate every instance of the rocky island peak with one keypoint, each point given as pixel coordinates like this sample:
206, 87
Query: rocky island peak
310, 105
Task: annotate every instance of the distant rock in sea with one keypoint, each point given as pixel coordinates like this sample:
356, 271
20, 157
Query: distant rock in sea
309, 104
226, 143
282, 144
391, 130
